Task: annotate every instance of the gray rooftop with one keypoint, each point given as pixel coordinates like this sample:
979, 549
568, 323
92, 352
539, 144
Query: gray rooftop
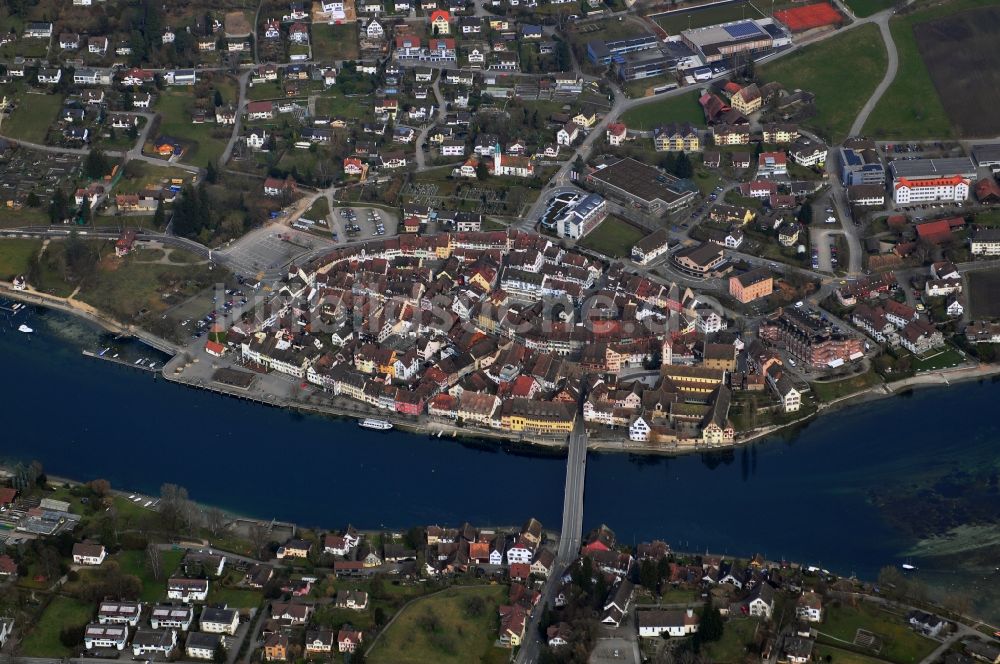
926, 168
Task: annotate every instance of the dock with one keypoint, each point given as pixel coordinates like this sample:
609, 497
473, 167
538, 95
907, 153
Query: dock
125, 363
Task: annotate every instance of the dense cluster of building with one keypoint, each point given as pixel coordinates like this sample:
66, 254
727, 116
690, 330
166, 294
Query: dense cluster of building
503, 330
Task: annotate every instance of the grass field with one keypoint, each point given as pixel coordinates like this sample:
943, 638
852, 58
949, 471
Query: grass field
43, 639
139, 174
615, 237
674, 22
125, 287
828, 391
319, 211
858, 56
33, 117
203, 142
900, 643
983, 287
454, 635
679, 108
732, 647
911, 107
821, 652
943, 358
334, 42
137, 563
236, 598
339, 106
863, 8
15, 255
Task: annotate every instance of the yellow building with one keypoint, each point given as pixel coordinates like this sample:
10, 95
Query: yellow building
676, 138
747, 100
539, 417
701, 380
586, 119
780, 133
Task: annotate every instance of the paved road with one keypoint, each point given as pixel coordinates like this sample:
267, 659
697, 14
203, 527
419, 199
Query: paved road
244, 79
882, 21
421, 156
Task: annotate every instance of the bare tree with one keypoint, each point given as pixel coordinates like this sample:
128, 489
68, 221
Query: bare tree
215, 521
155, 562
258, 538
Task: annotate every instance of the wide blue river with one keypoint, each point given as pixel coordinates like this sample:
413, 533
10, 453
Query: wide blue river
908, 479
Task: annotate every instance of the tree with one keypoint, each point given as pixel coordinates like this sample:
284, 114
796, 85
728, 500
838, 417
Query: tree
669, 162
218, 99
647, 574
58, 207
155, 562
215, 521
219, 657
682, 168
95, 165
211, 172
258, 537
100, 488
482, 171
710, 626
805, 215
33, 200
175, 509
158, 216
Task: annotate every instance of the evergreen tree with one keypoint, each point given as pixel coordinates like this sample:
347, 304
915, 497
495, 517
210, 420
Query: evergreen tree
682, 168
95, 165
57, 207
158, 216
669, 162
710, 626
211, 172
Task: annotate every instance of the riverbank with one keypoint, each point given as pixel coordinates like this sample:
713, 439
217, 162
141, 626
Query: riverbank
599, 441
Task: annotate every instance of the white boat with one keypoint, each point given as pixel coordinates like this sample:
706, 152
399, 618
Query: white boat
372, 423
101, 354
136, 363
151, 365
24, 328
907, 566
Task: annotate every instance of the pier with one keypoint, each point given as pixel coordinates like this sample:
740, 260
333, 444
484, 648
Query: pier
125, 363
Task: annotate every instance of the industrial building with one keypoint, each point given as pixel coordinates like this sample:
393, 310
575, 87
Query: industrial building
717, 42
928, 180
581, 216
643, 187
603, 52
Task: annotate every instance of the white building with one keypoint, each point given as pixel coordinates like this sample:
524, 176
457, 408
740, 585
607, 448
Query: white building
581, 216
88, 554
168, 616
219, 621
154, 642
986, 242
96, 635
951, 189
187, 590
680, 622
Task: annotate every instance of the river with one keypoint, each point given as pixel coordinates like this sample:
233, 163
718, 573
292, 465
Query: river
912, 479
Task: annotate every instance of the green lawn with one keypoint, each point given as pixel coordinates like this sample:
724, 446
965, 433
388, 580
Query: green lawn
319, 211
911, 108
675, 22
863, 8
269, 90
440, 629
900, 643
679, 108
203, 142
858, 56
140, 174
33, 117
43, 639
732, 647
137, 563
234, 598
334, 42
339, 106
615, 237
942, 358
830, 390
15, 256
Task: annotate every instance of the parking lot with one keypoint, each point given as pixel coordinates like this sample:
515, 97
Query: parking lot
268, 249
352, 224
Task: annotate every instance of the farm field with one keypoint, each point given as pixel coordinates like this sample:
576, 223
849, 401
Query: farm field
964, 64
983, 287
898, 642
858, 56
911, 107
679, 108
